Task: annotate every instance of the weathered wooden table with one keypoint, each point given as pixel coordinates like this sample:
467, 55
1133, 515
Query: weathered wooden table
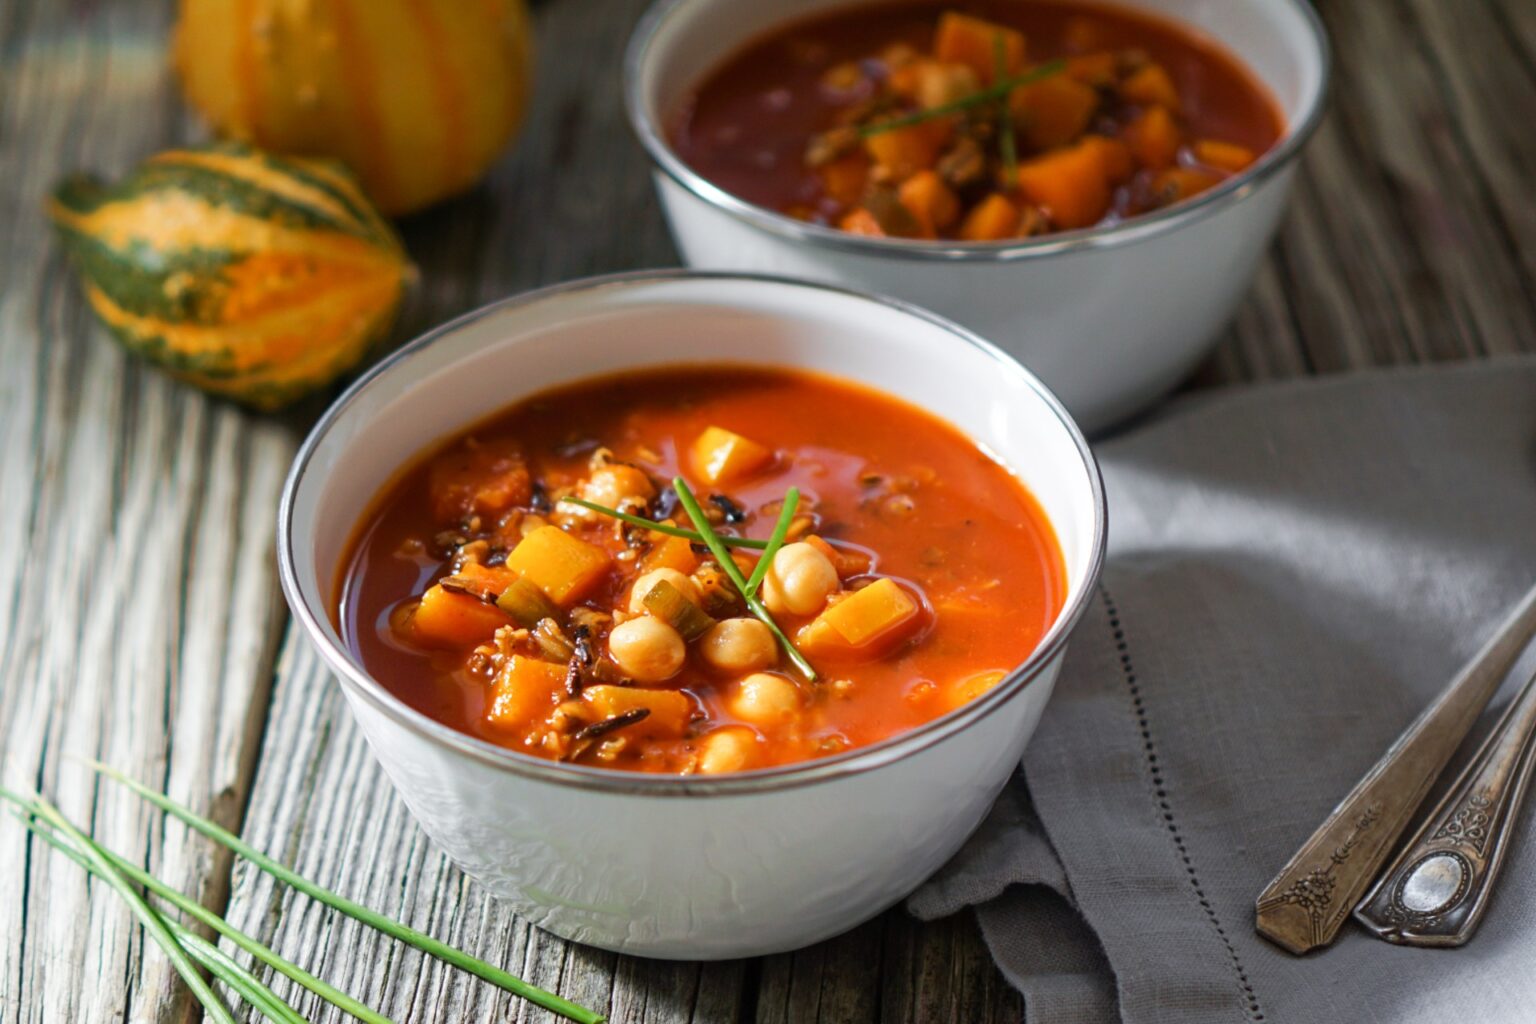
140, 621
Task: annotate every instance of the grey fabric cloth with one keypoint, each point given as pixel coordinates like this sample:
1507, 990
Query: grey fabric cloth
1294, 571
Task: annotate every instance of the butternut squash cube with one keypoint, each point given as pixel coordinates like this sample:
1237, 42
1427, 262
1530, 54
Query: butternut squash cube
667, 552
1054, 110
877, 613
1152, 84
932, 202
995, 217
524, 693
1224, 156
564, 567
973, 41
905, 151
720, 456
1154, 138
446, 619
669, 709
1072, 184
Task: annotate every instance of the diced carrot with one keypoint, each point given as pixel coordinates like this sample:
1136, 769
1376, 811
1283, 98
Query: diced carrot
905, 151
566, 568
847, 561
483, 479
860, 221
719, 455
1095, 69
877, 614
1179, 183
994, 218
1225, 156
932, 202
524, 692
669, 709
970, 40
1071, 184
670, 553
1115, 155
445, 619
1054, 110
1151, 84
1154, 138
845, 178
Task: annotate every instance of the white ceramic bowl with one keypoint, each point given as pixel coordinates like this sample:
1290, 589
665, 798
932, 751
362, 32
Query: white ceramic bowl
1110, 318
667, 866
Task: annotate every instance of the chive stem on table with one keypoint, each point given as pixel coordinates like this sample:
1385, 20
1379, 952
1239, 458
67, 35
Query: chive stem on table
154, 926
195, 910
422, 941
728, 565
975, 99
670, 531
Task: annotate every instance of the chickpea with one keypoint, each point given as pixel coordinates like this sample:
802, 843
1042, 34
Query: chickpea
738, 645
647, 649
643, 585
765, 698
611, 484
731, 749
614, 485
799, 581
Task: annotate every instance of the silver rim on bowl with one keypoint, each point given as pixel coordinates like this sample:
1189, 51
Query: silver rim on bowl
860, 759
1135, 229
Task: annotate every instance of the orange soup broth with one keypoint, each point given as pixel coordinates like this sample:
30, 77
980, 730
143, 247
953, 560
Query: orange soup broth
977, 544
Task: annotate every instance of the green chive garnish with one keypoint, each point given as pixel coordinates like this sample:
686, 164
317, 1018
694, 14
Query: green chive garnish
670, 531
426, 943
775, 539
1005, 140
728, 565
975, 99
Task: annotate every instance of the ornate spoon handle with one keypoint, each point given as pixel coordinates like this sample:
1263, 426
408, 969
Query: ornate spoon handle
1435, 893
1312, 895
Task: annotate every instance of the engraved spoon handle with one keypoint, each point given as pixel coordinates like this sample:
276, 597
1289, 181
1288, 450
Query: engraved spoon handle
1313, 894
1437, 889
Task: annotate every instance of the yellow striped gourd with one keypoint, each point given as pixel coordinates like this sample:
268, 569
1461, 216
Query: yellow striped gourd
418, 97
250, 276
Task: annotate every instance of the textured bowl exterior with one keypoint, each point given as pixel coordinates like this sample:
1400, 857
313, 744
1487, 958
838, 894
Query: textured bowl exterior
1110, 330
708, 877
1110, 318
706, 866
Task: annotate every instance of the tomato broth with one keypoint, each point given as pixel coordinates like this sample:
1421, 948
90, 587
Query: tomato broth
945, 568
1133, 112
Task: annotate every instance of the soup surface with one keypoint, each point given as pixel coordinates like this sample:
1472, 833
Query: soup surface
914, 572
980, 120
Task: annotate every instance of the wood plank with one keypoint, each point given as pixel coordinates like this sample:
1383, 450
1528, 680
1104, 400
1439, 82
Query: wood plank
1411, 239
138, 603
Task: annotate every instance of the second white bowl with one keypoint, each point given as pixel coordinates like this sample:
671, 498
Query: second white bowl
1110, 318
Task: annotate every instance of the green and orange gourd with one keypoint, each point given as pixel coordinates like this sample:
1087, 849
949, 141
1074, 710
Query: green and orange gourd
251, 276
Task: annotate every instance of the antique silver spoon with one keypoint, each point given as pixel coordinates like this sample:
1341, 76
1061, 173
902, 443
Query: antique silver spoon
1437, 889
1303, 907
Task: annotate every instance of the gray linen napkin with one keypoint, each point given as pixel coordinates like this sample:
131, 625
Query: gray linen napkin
1294, 571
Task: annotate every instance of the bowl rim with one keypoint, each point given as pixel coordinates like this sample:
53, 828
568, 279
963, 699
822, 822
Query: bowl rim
856, 761
1131, 230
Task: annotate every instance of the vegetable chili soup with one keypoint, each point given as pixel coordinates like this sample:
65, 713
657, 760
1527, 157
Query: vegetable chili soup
977, 121
511, 583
